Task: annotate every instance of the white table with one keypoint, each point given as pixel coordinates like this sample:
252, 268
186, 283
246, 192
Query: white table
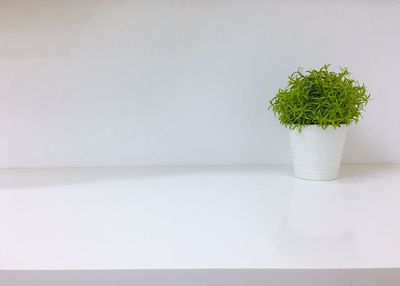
244, 217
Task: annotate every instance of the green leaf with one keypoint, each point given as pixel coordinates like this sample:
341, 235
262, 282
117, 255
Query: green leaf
320, 97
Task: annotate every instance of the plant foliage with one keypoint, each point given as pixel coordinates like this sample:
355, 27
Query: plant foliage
320, 97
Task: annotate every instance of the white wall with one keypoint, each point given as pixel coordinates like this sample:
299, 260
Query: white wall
183, 82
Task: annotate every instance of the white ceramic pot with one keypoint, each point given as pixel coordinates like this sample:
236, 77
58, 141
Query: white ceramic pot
316, 152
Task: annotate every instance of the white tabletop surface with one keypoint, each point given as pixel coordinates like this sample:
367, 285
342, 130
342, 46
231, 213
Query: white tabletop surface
198, 217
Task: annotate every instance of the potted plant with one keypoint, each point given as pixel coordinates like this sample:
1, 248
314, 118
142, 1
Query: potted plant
317, 106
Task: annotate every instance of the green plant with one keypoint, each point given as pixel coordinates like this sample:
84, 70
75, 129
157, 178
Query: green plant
320, 97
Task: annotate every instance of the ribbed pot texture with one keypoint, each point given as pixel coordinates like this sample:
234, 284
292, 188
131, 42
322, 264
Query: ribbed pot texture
317, 153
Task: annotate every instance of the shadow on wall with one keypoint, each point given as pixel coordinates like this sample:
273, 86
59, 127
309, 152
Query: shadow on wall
358, 142
211, 175
32, 28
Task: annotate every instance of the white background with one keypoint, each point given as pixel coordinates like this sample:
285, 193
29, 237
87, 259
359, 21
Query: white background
105, 83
